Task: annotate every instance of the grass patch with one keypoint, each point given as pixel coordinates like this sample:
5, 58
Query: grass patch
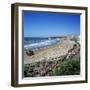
68, 67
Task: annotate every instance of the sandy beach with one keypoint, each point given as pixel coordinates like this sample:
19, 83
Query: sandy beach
52, 53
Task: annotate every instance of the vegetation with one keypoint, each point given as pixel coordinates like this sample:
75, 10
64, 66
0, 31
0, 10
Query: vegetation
53, 68
68, 67
26, 70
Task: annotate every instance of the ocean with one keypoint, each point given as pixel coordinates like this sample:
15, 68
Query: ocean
36, 43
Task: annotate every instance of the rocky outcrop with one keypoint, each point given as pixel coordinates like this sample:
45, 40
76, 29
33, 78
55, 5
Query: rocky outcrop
29, 52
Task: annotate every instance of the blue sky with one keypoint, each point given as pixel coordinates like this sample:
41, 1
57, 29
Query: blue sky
43, 24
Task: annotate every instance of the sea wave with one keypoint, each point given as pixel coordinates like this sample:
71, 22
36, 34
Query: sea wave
42, 44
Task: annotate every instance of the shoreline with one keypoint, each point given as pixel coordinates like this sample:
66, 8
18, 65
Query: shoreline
49, 54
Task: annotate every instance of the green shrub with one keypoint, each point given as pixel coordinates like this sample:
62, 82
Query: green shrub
26, 68
69, 67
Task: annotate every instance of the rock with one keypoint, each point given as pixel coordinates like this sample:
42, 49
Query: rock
29, 52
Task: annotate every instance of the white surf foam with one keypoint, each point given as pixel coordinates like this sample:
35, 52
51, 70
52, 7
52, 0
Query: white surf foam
43, 44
